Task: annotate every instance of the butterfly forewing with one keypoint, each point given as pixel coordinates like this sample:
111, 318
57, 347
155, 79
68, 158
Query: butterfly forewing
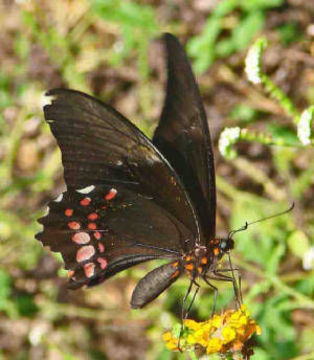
183, 136
98, 144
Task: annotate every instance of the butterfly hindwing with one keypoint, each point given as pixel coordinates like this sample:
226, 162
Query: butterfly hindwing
183, 136
103, 229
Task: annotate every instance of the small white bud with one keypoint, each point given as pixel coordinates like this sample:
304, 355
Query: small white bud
253, 61
227, 138
304, 126
308, 259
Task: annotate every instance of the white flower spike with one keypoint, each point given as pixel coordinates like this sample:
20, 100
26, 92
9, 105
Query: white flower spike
304, 126
253, 61
227, 138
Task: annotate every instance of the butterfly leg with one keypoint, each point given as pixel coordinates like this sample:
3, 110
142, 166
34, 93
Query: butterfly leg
235, 282
221, 277
205, 278
184, 314
193, 299
236, 287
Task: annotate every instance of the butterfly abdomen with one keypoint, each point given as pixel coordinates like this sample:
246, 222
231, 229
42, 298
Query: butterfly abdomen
154, 283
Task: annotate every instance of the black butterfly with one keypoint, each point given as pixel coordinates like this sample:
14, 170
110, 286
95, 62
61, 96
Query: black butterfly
129, 199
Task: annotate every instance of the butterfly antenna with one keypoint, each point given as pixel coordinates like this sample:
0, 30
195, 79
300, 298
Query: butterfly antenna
246, 225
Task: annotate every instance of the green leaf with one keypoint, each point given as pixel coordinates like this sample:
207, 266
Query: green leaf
5, 286
224, 7
273, 260
243, 34
254, 5
289, 33
26, 305
201, 48
287, 135
243, 113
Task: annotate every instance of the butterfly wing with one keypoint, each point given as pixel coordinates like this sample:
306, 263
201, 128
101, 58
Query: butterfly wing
183, 136
101, 148
103, 229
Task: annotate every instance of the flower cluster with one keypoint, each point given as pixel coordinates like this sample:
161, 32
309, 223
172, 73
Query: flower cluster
227, 138
253, 67
225, 333
304, 125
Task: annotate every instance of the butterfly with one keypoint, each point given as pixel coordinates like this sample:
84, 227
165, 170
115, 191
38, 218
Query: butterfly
130, 199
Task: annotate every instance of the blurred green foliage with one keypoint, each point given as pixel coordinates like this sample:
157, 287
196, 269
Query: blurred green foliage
245, 24
77, 42
137, 26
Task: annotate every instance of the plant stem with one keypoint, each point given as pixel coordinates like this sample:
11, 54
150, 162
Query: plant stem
260, 177
305, 301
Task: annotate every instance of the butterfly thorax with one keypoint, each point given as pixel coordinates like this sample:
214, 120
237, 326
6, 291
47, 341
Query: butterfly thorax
202, 259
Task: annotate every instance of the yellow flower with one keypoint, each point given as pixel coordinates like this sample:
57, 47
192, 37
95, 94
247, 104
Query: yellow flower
167, 336
191, 340
170, 341
191, 324
214, 345
228, 334
216, 321
225, 333
258, 330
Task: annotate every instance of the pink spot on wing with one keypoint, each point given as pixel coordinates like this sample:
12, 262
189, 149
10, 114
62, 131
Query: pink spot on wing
81, 238
92, 226
68, 212
71, 273
111, 194
74, 225
93, 216
84, 253
97, 235
102, 262
86, 201
101, 247
89, 269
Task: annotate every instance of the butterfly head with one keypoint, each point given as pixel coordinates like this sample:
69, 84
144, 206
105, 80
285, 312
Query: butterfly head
219, 247
224, 245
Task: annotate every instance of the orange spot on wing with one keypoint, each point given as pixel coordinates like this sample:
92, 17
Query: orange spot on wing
89, 269
84, 253
86, 201
204, 260
68, 212
216, 251
111, 194
175, 264
101, 247
93, 216
175, 274
92, 226
81, 238
74, 225
102, 262
189, 266
188, 258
